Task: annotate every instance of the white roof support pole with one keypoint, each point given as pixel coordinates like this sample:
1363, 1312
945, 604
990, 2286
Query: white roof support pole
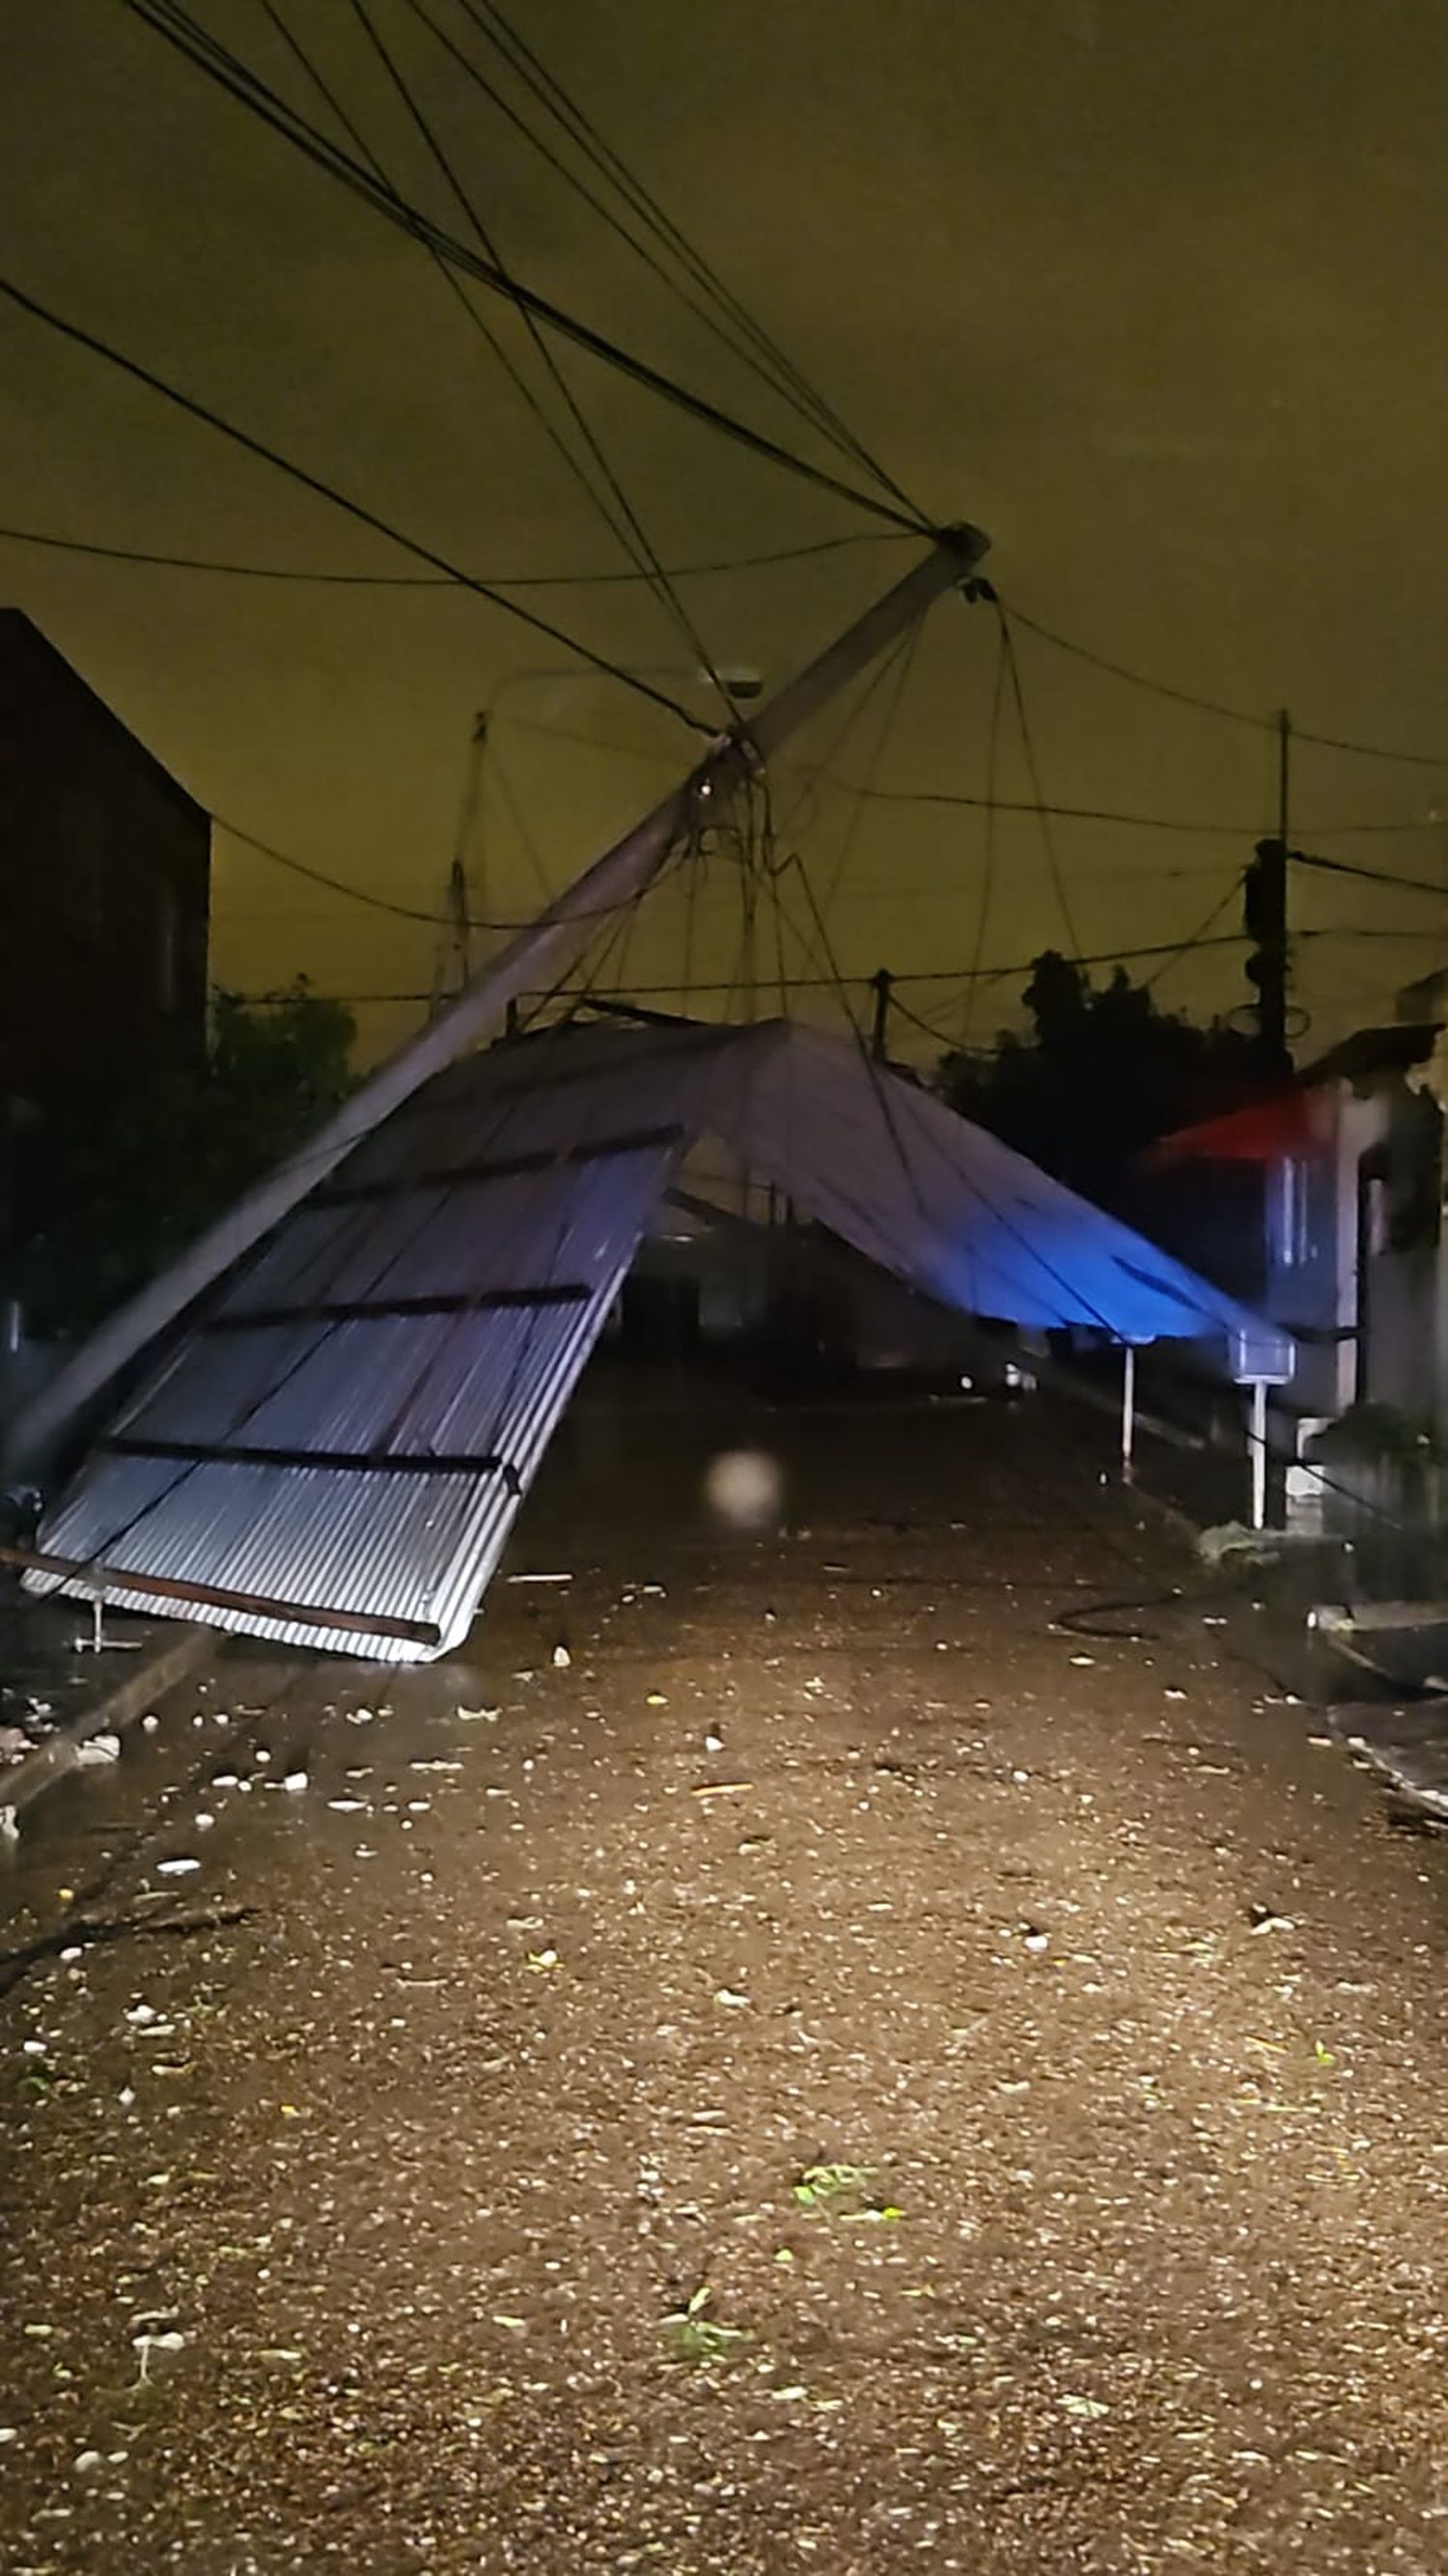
537, 954
1128, 1410
1257, 1443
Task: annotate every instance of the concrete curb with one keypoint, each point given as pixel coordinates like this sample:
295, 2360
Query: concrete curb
116, 1709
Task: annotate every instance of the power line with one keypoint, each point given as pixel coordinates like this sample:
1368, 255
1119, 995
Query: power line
544, 86
575, 734
730, 323
1060, 812
988, 856
806, 802
617, 510
1036, 806
1218, 707
243, 438
938, 1037
951, 975
362, 894
178, 29
1170, 949
774, 361
1342, 831
822, 772
448, 581
452, 283
1369, 876
904, 659
1359, 930
1189, 946
825, 948
1120, 956
499, 779
1242, 831
1053, 861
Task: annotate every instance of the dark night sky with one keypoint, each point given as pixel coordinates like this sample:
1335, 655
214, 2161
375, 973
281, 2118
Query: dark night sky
1155, 294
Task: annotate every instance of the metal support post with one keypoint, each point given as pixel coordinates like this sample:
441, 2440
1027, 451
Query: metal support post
1257, 1442
1128, 1409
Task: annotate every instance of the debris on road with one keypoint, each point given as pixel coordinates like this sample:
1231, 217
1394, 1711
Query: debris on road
577, 2181
97, 1751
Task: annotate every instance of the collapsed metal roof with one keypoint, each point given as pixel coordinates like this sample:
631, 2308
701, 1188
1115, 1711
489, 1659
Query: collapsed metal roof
335, 1450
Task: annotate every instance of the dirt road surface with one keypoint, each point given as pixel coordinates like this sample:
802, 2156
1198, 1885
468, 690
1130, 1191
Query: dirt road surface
787, 2060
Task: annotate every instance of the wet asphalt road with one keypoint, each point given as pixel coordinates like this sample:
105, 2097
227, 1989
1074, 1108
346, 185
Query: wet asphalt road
840, 2073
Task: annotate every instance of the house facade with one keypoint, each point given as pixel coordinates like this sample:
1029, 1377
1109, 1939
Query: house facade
1350, 1160
104, 890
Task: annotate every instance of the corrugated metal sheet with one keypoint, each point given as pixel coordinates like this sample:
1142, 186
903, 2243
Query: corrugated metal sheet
946, 1205
352, 1425
347, 1431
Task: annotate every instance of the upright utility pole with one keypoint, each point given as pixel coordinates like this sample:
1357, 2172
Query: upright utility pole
1264, 916
533, 956
881, 983
453, 965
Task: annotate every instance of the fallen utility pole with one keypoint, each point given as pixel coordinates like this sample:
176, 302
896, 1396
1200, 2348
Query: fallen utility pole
534, 956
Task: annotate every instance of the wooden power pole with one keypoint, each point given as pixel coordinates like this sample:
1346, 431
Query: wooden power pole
1264, 917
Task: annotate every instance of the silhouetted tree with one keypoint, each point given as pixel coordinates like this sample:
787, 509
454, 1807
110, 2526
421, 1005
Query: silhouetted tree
1101, 1073
109, 1190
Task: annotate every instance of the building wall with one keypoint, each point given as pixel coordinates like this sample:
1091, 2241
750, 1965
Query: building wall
1353, 1268
104, 888
1400, 1344
1401, 1229
1311, 1237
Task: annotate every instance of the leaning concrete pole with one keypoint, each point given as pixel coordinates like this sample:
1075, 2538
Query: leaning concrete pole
535, 956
